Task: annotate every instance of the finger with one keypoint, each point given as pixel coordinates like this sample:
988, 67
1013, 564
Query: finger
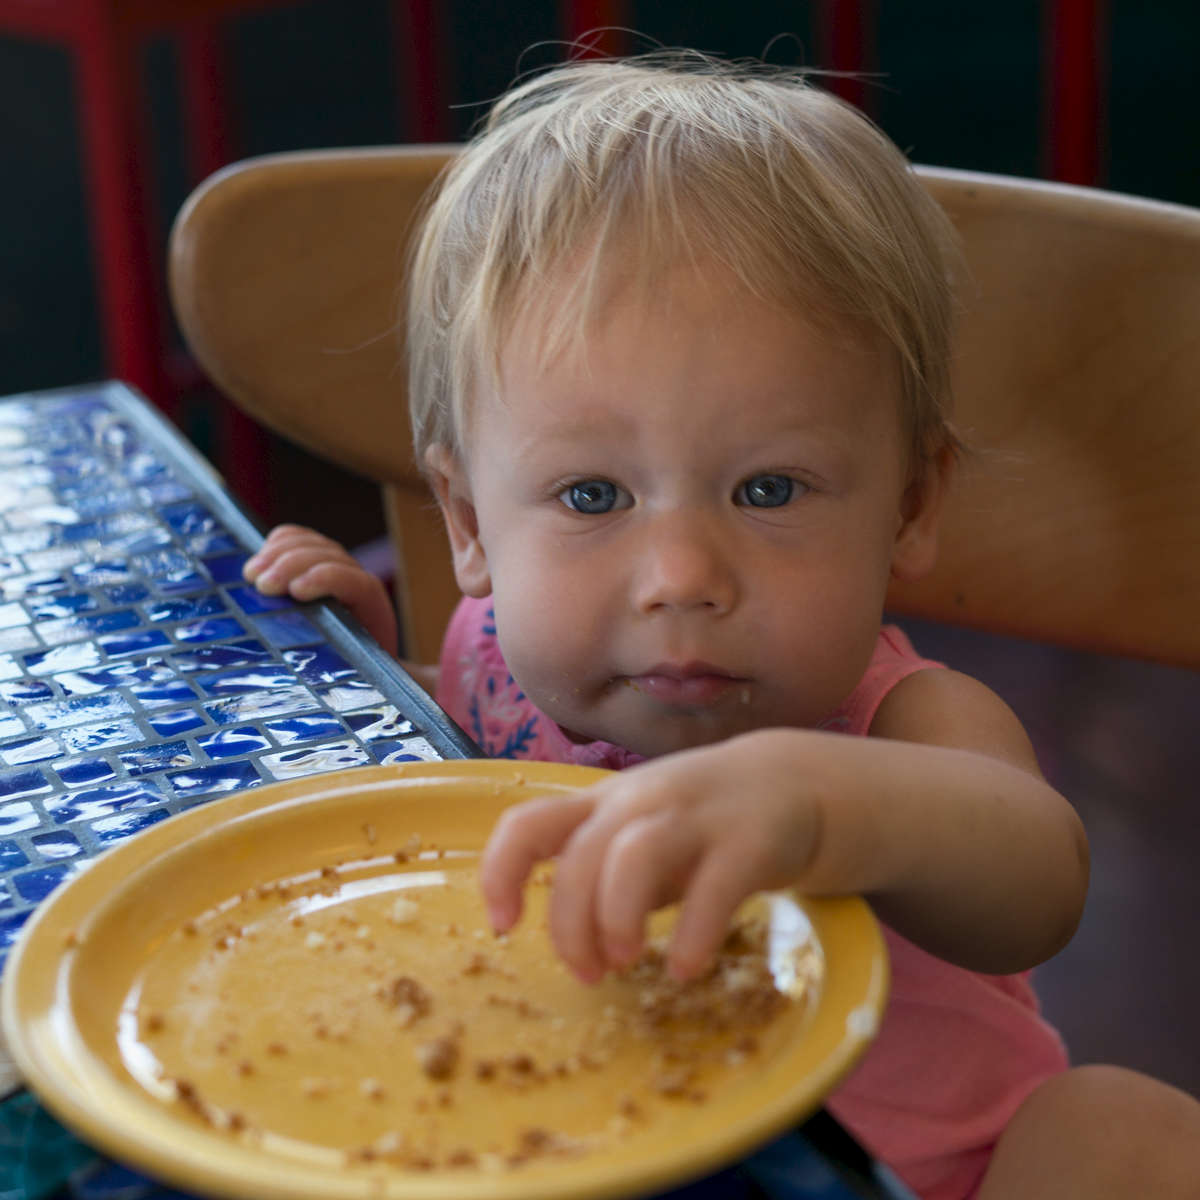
360, 591
719, 884
282, 539
647, 865
292, 561
574, 899
525, 835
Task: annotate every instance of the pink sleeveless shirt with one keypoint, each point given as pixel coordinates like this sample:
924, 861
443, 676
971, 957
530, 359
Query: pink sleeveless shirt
957, 1051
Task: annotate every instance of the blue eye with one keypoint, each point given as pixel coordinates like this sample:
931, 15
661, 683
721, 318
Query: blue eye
590, 496
767, 491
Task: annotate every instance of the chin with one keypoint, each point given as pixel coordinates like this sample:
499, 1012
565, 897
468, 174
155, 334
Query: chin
683, 735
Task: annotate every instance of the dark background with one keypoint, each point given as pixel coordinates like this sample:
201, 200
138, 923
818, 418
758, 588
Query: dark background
955, 84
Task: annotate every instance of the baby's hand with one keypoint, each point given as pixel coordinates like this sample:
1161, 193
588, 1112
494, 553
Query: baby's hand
308, 565
708, 827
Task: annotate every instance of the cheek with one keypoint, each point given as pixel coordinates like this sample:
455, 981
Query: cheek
541, 619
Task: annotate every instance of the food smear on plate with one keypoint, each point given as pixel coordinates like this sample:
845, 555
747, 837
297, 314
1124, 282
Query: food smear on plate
363, 1012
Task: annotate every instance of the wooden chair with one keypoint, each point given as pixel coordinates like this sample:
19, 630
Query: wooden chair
1076, 519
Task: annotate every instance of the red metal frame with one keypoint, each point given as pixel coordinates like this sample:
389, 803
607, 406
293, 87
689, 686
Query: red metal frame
1075, 70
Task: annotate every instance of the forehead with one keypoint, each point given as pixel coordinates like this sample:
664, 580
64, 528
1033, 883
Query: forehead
699, 346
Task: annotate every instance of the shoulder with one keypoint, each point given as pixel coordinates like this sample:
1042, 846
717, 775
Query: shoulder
948, 708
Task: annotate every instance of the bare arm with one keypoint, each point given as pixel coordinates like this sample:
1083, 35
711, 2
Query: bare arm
942, 819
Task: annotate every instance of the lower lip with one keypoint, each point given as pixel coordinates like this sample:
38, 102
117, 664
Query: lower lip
694, 691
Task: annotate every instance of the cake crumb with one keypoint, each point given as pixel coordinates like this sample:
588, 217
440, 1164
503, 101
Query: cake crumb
410, 1000
438, 1057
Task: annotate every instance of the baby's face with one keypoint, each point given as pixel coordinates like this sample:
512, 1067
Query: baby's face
689, 528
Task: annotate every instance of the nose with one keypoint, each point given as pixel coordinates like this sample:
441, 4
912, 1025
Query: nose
685, 563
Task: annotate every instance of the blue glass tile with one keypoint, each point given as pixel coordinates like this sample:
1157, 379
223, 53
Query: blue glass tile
9, 667
77, 772
138, 543
126, 593
185, 608
303, 727
157, 757
209, 629
94, 504
63, 629
96, 574
25, 690
29, 750
251, 679
110, 622
103, 801
134, 643
165, 491
10, 926
414, 749
54, 559
230, 710
13, 614
382, 721
58, 843
37, 583
73, 657
110, 829
220, 777
82, 739
212, 543
210, 658
19, 637
6, 897
190, 518
114, 675
287, 629
170, 724
26, 541
226, 568
11, 855
171, 570
146, 469
170, 691
39, 883
24, 781
74, 711
250, 600
41, 509
310, 760
10, 725
62, 606
233, 743
350, 694
389, 753
319, 664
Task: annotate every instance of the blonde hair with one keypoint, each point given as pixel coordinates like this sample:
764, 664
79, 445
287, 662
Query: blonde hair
645, 162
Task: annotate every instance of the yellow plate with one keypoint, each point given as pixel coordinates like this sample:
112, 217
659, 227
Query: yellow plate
265, 997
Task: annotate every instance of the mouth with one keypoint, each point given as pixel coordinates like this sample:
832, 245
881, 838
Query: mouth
691, 685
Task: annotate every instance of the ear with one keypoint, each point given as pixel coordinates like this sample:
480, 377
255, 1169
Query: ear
448, 479
915, 549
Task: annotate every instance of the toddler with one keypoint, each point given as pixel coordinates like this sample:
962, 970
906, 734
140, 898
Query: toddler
679, 335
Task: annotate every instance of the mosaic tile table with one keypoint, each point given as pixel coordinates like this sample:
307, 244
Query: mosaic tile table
140, 676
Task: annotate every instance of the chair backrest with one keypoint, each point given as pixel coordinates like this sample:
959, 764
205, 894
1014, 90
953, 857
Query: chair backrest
1075, 519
